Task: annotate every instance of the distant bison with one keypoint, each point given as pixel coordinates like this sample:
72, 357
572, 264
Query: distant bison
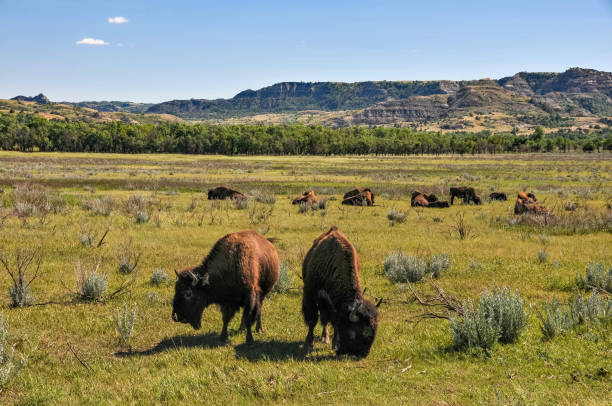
332, 291
422, 199
307, 197
468, 194
358, 191
364, 198
498, 196
527, 204
223, 192
239, 271
532, 196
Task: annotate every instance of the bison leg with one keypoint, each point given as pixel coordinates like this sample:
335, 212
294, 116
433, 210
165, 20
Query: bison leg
252, 311
324, 320
452, 198
228, 312
311, 316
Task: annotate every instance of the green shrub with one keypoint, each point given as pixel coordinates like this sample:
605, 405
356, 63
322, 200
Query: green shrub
554, 321
91, 285
558, 320
438, 264
596, 277
21, 295
542, 256
158, 277
285, 278
8, 368
500, 316
400, 268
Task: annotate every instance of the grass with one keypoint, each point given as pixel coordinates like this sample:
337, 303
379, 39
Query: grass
72, 348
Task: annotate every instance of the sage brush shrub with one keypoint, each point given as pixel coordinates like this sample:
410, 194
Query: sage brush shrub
400, 268
21, 295
158, 277
242, 204
555, 320
91, 285
125, 324
558, 319
141, 217
8, 368
438, 264
542, 257
395, 216
500, 316
596, 277
285, 278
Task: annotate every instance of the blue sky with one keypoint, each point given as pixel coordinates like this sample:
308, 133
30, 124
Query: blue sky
209, 49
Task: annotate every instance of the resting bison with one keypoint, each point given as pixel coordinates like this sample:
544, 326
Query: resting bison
498, 196
532, 196
422, 199
239, 271
223, 192
468, 194
308, 198
356, 192
527, 204
364, 198
332, 292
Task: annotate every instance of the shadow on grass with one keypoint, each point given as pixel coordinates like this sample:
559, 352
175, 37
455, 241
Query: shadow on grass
208, 340
275, 350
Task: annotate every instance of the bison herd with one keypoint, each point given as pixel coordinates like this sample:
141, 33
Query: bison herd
243, 267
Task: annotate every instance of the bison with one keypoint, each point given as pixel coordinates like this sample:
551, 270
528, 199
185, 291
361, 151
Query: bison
223, 192
498, 196
358, 191
239, 271
332, 292
307, 197
364, 198
468, 194
422, 199
527, 204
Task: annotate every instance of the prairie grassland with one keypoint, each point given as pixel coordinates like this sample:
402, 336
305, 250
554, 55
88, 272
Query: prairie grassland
75, 355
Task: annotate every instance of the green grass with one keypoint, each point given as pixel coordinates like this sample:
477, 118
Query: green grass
411, 363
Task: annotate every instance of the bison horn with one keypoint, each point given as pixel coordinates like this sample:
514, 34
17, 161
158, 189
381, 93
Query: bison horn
176, 272
379, 302
204, 280
194, 278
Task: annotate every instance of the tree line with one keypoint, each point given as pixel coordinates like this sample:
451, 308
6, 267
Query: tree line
28, 132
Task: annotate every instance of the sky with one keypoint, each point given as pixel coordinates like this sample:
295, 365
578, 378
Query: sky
154, 50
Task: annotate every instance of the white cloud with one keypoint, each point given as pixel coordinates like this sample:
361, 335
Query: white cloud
91, 41
117, 20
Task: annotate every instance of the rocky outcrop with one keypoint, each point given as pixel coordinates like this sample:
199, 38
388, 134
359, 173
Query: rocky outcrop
40, 98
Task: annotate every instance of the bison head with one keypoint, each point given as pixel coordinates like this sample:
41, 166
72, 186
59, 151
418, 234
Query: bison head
358, 330
189, 298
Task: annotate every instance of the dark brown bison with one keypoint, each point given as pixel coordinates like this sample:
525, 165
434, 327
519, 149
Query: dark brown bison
498, 196
223, 192
332, 292
364, 198
239, 271
307, 197
358, 191
527, 204
422, 199
468, 194
532, 196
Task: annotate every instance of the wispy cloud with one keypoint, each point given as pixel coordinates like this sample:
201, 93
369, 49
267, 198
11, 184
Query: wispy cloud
91, 41
117, 20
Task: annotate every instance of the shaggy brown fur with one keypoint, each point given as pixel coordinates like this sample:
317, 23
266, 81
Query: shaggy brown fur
239, 271
333, 292
498, 196
422, 199
356, 192
223, 192
527, 204
468, 194
307, 197
362, 199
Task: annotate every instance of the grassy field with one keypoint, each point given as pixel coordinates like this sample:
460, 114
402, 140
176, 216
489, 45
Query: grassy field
74, 355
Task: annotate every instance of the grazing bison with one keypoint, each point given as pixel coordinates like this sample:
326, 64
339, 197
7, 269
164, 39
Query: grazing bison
527, 204
364, 198
239, 271
468, 194
332, 292
307, 197
223, 192
356, 192
498, 196
422, 199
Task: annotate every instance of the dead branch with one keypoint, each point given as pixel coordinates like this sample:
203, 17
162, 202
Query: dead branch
101, 242
85, 364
